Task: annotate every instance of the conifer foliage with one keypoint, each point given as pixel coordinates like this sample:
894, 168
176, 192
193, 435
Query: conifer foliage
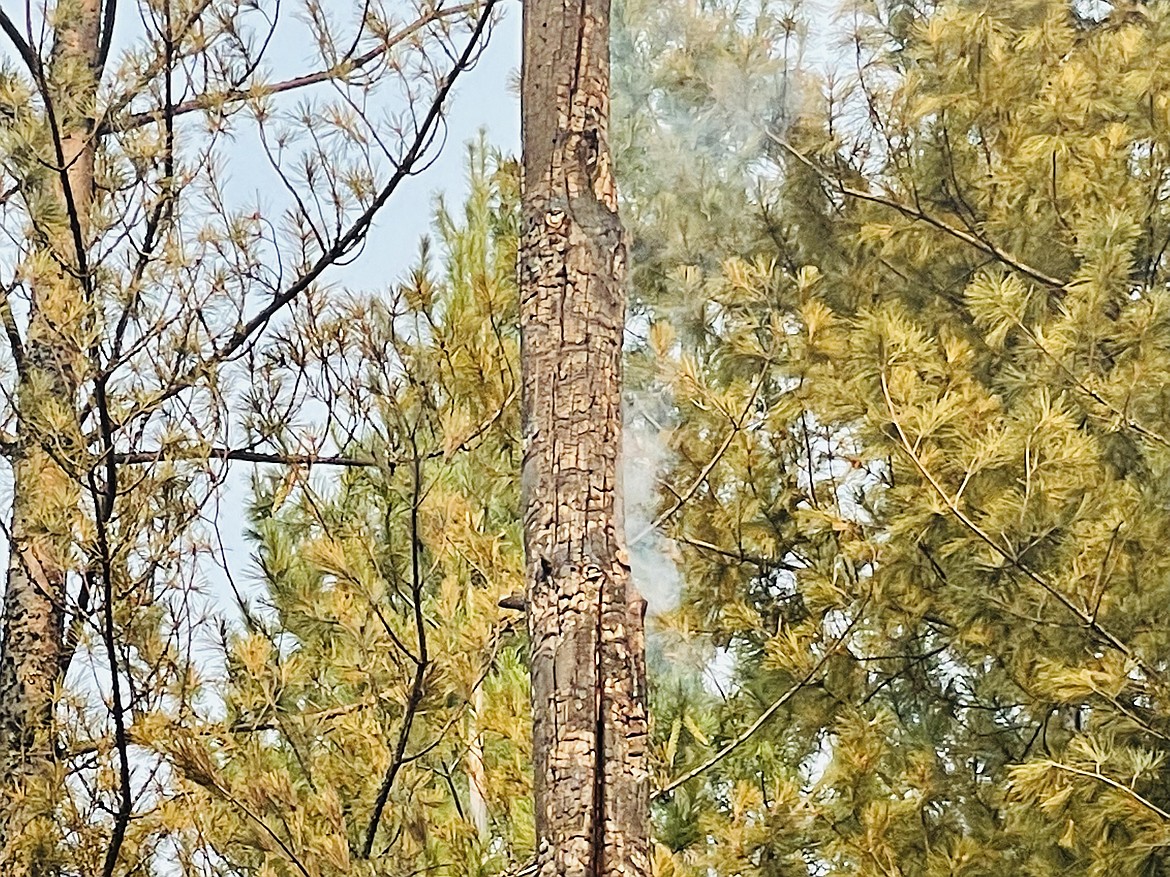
900, 334
177, 199
930, 424
377, 702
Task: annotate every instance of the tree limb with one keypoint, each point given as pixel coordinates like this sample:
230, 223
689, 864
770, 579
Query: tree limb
976, 242
20, 44
237, 95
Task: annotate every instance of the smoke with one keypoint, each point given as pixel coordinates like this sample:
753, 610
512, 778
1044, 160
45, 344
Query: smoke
697, 86
672, 651
645, 458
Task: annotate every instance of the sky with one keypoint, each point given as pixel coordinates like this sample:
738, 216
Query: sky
484, 100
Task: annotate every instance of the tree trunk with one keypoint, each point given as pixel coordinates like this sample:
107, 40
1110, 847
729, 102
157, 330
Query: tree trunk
48, 456
584, 617
477, 784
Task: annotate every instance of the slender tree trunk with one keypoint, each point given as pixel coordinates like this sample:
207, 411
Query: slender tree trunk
476, 774
48, 454
584, 618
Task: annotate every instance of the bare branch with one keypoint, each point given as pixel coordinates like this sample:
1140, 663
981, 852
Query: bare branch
244, 456
340, 71
346, 242
20, 44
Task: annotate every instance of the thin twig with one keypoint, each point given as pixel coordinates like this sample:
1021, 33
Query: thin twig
737, 426
977, 242
1112, 783
414, 699
760, 721
238, 95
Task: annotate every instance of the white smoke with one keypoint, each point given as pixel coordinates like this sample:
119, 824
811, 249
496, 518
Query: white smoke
645, 458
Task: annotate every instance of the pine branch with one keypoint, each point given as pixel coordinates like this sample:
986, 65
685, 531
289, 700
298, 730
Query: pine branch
246, 456
1127, 421
238, 95
236, 343
1096, 774
978, 242
739, 555
1087, 619
760, 721
681, 499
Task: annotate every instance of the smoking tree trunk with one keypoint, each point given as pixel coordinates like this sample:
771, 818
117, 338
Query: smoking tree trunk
584, 618
48, 454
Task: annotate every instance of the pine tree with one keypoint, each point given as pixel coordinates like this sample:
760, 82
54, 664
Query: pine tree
49, 363
928, 431
378, 695
142, 290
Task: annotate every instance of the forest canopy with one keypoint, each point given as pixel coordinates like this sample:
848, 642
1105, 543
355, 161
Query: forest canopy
896, 462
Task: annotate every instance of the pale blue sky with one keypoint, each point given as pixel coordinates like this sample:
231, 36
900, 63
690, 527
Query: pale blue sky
483, 100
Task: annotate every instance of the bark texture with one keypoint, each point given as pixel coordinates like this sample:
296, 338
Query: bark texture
585, 619
48, 454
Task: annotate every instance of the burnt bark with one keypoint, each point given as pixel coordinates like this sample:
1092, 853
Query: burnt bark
48, 452
585, 619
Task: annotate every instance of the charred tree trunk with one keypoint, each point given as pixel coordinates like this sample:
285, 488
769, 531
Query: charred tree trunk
584, 617
48, 456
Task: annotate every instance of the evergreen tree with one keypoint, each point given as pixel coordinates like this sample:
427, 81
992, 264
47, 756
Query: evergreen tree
377, 702
143, 281
931, 539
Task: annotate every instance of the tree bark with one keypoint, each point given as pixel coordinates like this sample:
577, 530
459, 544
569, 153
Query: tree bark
48, 455
585, 619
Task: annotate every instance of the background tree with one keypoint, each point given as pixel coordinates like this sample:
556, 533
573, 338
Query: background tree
376, 715
926, 425
140, 287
